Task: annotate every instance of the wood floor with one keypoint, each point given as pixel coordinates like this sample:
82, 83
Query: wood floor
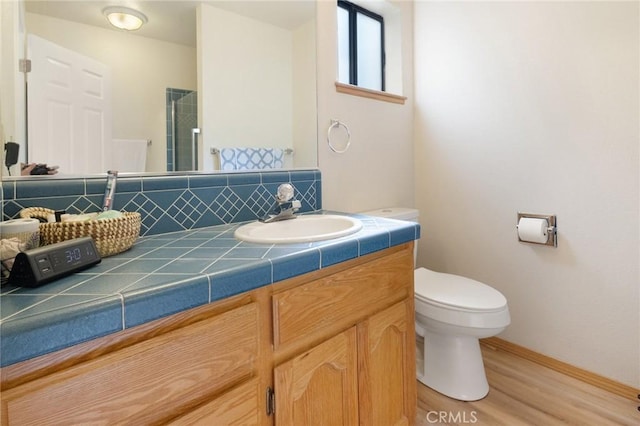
525, 393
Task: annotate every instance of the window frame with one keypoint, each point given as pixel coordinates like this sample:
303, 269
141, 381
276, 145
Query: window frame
353, 11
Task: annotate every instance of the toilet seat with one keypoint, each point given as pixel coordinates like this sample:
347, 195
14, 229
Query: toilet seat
458, 293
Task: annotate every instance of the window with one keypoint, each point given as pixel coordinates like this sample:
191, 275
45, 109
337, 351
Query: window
360, 47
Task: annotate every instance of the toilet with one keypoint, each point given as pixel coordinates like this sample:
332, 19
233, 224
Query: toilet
452, 314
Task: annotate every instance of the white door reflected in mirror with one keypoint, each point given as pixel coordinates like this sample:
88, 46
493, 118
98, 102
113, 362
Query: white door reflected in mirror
69, 103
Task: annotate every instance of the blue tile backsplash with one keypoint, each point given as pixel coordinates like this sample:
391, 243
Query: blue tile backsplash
167, 203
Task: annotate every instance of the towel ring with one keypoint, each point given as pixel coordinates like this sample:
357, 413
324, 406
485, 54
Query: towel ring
334, 125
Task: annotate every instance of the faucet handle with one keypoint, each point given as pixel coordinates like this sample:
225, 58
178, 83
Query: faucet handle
285, 192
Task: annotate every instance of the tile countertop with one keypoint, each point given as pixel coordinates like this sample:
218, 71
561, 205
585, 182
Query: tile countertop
165, 274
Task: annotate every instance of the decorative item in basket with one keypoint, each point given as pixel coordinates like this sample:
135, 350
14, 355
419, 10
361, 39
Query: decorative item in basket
111, 235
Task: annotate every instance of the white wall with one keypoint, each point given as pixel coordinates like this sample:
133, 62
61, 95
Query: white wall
534, 107
377, 170
249, 68
142, 70
305, 129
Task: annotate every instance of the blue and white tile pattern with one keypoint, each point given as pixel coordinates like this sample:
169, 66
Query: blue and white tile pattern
167, 203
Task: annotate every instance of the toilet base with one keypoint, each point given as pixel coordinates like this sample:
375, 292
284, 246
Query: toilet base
453, 366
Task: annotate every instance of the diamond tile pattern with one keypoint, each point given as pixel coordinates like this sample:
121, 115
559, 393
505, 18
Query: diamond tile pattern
169, 203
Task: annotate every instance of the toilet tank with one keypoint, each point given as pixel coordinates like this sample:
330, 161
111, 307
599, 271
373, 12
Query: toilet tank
400, 213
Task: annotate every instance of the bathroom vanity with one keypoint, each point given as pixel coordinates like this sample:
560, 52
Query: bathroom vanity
336, 343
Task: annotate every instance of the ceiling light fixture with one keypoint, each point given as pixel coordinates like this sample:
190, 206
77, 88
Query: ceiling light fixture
124, 18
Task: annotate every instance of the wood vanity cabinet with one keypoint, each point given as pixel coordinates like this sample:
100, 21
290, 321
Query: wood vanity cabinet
150, 380
151, 374
335, 346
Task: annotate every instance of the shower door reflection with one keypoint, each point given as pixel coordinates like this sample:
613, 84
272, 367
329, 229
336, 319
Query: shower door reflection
182, 119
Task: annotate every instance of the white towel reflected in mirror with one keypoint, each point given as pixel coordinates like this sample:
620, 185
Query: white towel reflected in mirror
129, 155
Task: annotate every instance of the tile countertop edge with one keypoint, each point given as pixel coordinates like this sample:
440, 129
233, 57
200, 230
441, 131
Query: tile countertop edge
32, 336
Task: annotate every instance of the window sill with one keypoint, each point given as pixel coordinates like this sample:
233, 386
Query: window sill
368, 93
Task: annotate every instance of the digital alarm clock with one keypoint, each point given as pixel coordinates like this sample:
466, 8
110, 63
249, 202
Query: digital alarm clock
33, 268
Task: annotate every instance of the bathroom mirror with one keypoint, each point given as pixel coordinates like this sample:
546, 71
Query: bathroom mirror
242, 100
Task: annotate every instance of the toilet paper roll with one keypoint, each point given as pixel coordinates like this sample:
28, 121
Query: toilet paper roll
25, 230
533, 230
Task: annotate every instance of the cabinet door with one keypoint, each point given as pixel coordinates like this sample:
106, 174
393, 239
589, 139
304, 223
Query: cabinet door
319, 386
387, 380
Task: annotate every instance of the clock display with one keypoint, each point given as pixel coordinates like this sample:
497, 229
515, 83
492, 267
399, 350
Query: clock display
73, 255
41, 265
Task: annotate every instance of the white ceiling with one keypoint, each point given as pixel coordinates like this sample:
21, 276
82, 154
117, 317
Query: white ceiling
175, 20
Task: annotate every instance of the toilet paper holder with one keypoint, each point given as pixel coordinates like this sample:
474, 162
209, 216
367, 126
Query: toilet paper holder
552, 230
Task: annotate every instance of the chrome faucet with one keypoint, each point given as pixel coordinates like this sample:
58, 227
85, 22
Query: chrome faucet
285, 206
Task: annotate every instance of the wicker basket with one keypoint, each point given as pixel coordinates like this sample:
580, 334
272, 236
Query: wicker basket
112, 236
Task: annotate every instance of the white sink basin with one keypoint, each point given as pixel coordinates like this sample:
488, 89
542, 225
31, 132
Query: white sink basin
302, 229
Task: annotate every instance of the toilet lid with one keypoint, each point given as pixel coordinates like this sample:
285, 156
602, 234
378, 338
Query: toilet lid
456, 292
